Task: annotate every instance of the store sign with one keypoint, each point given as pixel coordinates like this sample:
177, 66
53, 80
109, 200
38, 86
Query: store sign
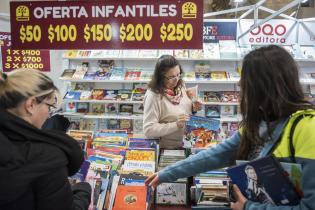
271, 32
15, 59
151, 24
215, 31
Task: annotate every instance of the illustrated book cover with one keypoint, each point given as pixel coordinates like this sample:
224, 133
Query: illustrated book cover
265, 181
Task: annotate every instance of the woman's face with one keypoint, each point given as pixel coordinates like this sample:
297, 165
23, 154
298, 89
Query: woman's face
172, 77
43, 111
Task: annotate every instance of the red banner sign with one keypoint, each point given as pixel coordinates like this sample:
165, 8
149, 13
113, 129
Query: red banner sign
15, 59
133, 24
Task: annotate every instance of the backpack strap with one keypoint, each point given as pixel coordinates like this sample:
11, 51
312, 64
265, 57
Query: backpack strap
294, 124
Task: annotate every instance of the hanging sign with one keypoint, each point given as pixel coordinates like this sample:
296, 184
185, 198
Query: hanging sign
15, 59
276, 31
213, 32
111, 24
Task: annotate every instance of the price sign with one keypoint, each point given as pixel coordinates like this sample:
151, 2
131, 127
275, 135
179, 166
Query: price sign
166, 24
15, 59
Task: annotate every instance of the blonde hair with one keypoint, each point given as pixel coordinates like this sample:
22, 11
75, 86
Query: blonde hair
21, 84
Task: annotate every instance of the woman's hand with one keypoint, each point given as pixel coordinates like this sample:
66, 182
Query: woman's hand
152, 181
182, 119
240, 199
197, 106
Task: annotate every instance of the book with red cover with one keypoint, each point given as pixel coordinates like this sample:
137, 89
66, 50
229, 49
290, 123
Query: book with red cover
130, 197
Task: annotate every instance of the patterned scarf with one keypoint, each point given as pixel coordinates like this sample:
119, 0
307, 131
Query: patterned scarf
172, 96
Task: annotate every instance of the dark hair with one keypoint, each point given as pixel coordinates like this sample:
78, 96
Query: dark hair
270, 90
164, 63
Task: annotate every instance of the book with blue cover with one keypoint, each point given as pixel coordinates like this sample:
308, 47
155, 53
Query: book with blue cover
200, 132
265, 181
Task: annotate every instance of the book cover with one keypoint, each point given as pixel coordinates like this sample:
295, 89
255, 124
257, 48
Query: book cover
130, 197
211, 50
146, 75
89, 75
196, 54
171, 193
230, 96
125, 109
181, 53
264, 180
124, 95
211, 96
137, 126
83, 107
200, 131
97, 94
126, 124
85, 95
73, 95
81, 174
117, 73
80, 72
113, 124
71, 53
218, 75
111, 108
98, 108
140, 155
110, 94
133, 74
212, 111
70, 107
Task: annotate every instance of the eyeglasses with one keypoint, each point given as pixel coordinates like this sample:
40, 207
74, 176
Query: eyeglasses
52, 108
178, 76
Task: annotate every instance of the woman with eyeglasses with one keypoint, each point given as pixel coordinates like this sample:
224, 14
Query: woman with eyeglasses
35, 163
167, 105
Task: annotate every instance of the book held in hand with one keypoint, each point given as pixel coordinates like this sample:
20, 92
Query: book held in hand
265, 181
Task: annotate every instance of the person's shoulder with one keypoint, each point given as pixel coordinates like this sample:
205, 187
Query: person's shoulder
151, 95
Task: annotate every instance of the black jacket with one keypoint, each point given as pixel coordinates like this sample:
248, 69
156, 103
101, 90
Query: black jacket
34, 166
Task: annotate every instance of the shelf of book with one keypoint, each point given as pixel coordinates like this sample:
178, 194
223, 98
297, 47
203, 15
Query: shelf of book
227, 81
155, 58
104, 101
91, 116
141, 102
304, 81
236, 118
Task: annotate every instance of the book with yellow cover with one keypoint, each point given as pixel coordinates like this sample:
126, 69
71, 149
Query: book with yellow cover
141, 155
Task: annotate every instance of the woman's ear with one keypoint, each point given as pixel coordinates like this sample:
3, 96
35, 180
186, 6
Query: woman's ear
30, 105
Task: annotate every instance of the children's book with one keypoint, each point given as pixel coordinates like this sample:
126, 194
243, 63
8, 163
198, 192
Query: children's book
126, 124
81, 174
130, 197
125, 109
97, 94
124, 95
200, 132
265, 181
133, 74
110, 94
171, 193
138, 126
73, 95
212, 111
111, 108
83, 107
98, 108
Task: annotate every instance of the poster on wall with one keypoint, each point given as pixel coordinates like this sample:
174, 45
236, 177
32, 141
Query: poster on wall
111, 24
213, 32
275, 31
16, 58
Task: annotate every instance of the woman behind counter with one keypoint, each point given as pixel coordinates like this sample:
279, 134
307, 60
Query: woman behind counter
167, 105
